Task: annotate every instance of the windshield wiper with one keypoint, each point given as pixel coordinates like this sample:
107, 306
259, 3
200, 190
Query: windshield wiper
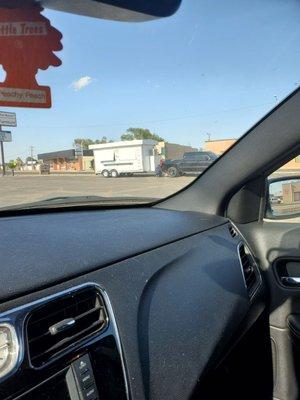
75, 201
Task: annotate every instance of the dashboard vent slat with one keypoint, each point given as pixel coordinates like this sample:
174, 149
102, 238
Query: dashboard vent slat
249, 268
73, 316
232, 231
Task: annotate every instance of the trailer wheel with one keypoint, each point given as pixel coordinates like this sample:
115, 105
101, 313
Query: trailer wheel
173, 172
114, 173
105, 173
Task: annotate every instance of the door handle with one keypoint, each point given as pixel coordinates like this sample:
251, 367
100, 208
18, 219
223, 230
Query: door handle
290, 281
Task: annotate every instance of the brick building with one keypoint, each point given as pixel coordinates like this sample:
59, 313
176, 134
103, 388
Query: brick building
171, 151
67, 160
219, 146
291, 192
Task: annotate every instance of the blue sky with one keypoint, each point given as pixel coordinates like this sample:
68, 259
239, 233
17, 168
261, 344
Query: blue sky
215, 67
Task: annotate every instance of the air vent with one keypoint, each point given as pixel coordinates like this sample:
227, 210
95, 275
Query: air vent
232, 231
250, 271
59, 323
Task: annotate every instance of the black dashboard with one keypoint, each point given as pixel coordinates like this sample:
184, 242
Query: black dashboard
167, 294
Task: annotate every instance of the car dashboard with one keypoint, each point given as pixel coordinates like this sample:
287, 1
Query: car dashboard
136, 303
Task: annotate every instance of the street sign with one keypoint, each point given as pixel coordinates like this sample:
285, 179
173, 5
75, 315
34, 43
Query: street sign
78, 150
5, 136
8, 118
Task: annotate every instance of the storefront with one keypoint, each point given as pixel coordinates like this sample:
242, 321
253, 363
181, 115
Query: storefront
67, 160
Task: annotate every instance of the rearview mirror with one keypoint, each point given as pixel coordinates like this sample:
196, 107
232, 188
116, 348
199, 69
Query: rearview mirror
284, 197
119, 10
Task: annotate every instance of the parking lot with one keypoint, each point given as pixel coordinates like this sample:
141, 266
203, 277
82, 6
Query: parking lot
28, 188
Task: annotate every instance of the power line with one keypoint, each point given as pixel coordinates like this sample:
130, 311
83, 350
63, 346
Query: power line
147, 121
25, 153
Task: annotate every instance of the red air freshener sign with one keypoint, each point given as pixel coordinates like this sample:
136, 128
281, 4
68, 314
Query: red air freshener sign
27, 43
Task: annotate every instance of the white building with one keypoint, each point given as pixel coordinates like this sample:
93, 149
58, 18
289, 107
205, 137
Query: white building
125, 157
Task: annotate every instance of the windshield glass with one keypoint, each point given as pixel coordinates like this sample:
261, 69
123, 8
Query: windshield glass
114, 110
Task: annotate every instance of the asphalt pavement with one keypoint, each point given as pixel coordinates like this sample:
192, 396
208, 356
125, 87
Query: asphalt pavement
29, 188
26, 188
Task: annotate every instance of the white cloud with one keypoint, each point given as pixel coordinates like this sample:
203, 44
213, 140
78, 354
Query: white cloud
81, 83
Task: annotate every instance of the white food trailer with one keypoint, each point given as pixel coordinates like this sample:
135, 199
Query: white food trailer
125, 157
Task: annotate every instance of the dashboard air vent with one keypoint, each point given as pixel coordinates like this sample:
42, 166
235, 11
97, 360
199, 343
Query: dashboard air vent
59, 323
232, 231
249, 268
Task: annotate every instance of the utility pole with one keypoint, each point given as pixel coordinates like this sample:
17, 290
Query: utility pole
31, 152
209, 136
6, 119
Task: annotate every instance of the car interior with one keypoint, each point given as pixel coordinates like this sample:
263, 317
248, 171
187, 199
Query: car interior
196, 296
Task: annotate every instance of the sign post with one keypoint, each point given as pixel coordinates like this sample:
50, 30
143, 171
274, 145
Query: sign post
5, 136
2, 157
6, 119
78, 150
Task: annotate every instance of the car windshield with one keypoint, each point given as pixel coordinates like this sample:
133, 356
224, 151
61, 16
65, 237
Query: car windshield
96, 110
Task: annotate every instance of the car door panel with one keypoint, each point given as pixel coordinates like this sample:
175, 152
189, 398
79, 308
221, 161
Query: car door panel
186, 165
277, 246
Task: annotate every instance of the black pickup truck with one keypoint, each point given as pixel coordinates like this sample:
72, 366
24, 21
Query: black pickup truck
191, 163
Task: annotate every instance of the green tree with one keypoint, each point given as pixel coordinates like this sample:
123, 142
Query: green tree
19, 162
12, 164
140, 133
85, 142
103, 140
30, 159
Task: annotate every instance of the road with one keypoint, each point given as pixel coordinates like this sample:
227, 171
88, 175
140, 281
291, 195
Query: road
28, 188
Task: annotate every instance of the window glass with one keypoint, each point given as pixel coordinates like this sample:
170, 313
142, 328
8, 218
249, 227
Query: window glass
284, 191
137, 100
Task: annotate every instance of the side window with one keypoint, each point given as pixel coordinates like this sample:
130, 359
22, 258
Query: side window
189, 156
201, 158
284, 191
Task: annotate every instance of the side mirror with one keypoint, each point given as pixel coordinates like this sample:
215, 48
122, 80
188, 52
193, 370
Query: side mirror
283, 196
